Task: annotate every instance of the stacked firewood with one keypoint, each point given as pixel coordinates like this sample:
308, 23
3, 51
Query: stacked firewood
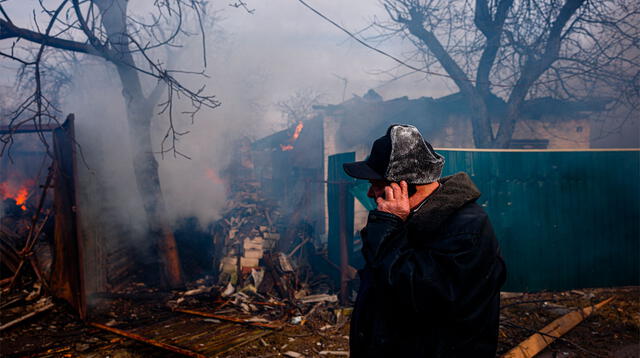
244, 235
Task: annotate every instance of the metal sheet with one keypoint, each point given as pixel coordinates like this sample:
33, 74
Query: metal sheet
564, 219
337, 177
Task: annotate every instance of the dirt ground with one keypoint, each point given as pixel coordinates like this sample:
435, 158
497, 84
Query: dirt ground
612, 331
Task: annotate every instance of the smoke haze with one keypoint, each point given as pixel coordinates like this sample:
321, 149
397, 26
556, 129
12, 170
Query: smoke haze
254, 61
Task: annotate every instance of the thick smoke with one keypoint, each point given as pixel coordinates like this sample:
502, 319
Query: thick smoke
247, 70
191, 186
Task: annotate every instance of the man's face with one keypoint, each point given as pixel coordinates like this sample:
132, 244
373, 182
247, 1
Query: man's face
376, 190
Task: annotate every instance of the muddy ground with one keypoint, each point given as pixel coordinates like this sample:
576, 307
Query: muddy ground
612, 331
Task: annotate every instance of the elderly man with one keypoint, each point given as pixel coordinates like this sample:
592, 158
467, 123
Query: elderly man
431, 283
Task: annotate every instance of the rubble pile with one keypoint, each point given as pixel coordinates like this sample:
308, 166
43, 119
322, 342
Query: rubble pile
248, 247
257, 284
243, 236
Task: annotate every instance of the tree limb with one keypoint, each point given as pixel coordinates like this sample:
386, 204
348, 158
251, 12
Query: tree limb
416, 28
533, 68
8, 31
492, 30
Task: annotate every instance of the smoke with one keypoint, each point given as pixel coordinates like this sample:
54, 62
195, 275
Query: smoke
191, 187
253, 62
109, 204
248, 71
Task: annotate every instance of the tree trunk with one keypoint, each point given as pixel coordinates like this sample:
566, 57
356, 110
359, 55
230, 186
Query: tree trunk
480, 122
507, 127
139, 116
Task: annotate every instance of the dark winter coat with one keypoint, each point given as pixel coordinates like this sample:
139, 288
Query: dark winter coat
431, 285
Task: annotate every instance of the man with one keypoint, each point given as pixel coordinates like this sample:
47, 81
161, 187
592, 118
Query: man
431, 283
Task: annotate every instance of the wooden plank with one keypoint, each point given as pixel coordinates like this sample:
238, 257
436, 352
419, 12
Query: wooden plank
239, 341
223, 336
152, 342
230, 319
539, 341
191, 333
27, 316
67, 277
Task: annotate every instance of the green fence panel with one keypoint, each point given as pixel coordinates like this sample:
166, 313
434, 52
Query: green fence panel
336, 177
564, 219
359, 190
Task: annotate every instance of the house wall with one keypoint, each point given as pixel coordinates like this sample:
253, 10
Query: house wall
457, 134
562, 134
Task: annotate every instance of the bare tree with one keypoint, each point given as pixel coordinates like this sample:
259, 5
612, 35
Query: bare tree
521, 50
108, 29
299, 106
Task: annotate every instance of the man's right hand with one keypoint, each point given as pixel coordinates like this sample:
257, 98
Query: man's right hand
396, 200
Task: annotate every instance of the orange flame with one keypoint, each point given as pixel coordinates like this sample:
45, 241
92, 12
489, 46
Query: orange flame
21, 197
296, 133
213, 176
18, 193
294, 137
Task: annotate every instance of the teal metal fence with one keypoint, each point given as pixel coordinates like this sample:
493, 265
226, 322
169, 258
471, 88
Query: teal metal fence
564, 219
337, 198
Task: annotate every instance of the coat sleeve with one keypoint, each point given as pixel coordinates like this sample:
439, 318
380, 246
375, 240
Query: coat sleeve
424, 277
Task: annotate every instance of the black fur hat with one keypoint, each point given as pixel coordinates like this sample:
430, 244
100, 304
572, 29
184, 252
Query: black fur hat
401, 154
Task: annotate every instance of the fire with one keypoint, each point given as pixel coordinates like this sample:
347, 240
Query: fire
21, 197
213, 176
294, 137
18, 193
296, 133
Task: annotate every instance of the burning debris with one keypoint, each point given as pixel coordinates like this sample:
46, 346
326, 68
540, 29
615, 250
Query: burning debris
16, 193
26, 234
294, 137
248, 241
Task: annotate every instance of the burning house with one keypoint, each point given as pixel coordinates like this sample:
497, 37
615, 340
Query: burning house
261, 270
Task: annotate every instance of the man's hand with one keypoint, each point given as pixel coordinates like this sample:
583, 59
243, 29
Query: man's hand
396, 200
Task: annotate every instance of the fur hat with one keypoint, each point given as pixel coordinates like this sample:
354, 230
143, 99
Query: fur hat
401, 154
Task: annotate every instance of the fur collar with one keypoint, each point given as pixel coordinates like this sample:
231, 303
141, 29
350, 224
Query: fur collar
454, 192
